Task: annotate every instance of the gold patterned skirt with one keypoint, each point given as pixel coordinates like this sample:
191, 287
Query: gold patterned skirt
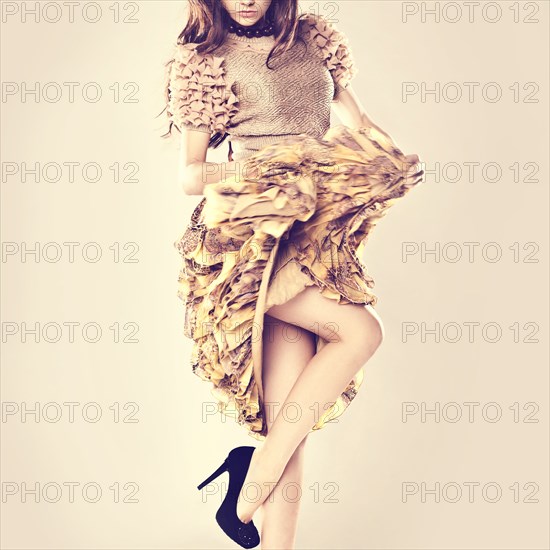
300, 217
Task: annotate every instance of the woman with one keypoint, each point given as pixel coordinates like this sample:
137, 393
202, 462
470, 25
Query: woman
277, 301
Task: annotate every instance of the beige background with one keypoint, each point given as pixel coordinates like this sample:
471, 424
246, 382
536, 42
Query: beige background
359, 465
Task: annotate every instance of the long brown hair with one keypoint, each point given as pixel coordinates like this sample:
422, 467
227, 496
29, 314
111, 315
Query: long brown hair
207, 26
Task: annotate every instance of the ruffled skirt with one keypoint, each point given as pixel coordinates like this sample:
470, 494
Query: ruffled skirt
300, 217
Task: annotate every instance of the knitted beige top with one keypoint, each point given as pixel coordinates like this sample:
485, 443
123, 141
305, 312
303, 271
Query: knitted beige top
233, 92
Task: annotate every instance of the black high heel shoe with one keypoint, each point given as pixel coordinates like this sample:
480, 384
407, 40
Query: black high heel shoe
236, 464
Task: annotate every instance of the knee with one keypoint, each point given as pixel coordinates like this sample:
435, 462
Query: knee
367, 334
376, 330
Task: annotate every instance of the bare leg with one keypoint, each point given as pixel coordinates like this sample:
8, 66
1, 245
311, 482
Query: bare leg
287, 349
353, 332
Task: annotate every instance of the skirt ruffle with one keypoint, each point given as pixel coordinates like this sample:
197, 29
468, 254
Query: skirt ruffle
299, 217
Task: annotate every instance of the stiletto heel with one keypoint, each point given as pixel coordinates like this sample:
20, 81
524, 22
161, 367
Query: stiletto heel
236, 464
219, 471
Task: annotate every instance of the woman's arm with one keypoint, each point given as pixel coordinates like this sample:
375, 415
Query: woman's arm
194, 171
351, 112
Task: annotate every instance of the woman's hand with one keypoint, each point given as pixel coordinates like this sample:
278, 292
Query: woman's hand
411, 159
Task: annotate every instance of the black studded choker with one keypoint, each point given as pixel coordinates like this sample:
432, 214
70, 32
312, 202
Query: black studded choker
259, 28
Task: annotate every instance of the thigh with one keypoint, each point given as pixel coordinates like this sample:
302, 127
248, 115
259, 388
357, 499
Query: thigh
286, 350
332, 321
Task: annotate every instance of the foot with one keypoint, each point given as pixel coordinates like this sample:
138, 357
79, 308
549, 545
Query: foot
260, 480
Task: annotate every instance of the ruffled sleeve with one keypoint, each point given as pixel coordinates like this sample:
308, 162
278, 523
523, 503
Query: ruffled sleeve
199, 96
335, 50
